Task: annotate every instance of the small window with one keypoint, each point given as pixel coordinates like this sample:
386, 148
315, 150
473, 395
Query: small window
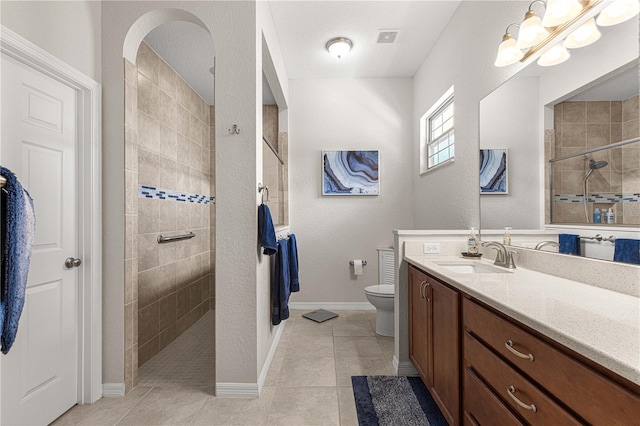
436, 133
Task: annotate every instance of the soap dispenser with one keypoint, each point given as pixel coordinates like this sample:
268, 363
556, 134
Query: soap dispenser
472, 242
506, 240
596, 215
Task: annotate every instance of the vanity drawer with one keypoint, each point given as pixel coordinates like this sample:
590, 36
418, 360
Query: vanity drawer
481, 406
504, 379
595, 398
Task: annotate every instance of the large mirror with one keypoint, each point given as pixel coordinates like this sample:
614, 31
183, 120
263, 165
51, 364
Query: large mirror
561, 128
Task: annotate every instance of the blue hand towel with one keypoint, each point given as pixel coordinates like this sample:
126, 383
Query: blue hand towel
627, 250
293, 263
266, 233
280, 285
16, 233
569, 244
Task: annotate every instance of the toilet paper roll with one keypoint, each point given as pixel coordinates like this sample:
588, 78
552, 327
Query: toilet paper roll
357, 266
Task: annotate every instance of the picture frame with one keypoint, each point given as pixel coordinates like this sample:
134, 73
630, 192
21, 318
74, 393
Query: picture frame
346, 172
494, 172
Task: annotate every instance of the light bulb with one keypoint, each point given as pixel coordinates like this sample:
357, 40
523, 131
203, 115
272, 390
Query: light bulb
560, 11
617, 12
531, 31
508, 53
586, 34
554, 56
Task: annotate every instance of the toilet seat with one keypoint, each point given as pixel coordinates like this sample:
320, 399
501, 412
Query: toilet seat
384, 290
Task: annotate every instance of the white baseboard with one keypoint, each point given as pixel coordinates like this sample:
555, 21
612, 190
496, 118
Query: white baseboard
237, 390
272, 351
347, 306
404, 368
112, 390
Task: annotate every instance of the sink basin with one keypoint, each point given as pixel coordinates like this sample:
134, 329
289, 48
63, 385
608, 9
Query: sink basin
470, 268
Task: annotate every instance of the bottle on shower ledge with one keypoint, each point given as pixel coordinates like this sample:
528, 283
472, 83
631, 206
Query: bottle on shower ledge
596, 215
611, 218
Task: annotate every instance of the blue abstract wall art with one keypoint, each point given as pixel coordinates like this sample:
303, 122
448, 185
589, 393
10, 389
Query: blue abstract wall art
493, 171
350, 173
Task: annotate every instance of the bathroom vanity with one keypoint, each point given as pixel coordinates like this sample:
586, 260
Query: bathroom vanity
498, 346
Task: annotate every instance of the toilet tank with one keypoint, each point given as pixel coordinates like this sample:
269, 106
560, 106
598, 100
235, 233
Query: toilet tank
386, 266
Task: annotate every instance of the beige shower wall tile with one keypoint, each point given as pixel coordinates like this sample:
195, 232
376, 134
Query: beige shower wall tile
168, 142
574, 135
598, 135
148, 322
167, 79
147, 252
167, 174
147, 62
616, 111
130, 106
631, 157
599, 112
148, 132
131, 192
183, 117
128, 325
130, 72
131, 149
630, 109
630, 129
574, 112
147, 96
167, 110
131, 237
631, 212
148, 168
148, 215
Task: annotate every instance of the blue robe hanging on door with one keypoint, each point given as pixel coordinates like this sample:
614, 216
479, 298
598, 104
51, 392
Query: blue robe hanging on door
17, 228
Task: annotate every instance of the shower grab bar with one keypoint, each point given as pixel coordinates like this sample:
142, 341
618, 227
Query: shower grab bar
162, 239
599, 237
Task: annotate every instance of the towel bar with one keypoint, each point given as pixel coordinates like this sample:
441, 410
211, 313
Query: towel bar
3, 181
162, 239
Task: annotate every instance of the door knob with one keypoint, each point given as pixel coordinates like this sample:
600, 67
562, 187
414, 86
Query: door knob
72, 262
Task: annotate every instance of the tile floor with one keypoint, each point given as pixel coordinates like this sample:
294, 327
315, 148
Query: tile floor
309, 382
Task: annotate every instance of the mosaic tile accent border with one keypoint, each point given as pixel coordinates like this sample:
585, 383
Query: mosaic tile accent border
598, 198
145, 191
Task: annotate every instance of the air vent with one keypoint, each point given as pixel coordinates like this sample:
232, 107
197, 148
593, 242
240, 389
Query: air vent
387, 36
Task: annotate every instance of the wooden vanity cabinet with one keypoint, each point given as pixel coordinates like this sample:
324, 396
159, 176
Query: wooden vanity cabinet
434, 340
563, 389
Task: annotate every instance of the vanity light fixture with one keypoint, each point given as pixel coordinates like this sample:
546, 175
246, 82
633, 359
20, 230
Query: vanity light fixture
531, 30
508, 53
586, 34
560, 16
617, 12
339, 46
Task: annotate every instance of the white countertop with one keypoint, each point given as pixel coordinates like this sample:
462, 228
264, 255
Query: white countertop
600, 324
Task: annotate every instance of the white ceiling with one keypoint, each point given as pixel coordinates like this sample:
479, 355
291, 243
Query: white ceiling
304, 27
188, 49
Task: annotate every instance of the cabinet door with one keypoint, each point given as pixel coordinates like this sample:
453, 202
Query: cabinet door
445, 305
419, 326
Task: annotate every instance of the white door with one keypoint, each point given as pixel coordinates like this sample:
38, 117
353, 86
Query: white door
40, 373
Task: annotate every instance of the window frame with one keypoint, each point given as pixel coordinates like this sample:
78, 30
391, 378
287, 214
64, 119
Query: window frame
426, 133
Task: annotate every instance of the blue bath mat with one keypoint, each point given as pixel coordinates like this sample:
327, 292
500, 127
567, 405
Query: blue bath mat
394, 401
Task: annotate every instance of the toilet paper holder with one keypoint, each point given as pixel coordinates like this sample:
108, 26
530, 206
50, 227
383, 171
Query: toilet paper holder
364, 263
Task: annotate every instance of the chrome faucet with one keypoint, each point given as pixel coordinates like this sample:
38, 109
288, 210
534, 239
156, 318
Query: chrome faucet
546, 243
504, 257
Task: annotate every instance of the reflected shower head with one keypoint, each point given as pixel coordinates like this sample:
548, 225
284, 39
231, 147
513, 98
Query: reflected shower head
593, 165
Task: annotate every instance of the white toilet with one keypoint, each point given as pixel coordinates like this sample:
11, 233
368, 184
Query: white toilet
382, 295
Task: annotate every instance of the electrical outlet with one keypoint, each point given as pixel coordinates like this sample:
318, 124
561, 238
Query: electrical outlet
431, 248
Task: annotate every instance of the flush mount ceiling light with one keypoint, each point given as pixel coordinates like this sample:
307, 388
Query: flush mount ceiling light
339, 46
617, 12
562, 17
531, 30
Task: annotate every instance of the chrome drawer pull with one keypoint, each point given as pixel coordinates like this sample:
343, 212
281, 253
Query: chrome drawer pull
512, 393
509, 345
